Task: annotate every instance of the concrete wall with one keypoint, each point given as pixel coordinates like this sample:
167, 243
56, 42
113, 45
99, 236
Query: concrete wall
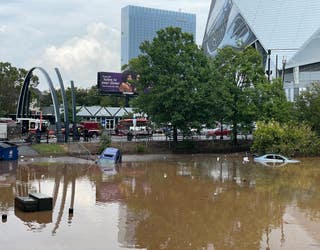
162, 147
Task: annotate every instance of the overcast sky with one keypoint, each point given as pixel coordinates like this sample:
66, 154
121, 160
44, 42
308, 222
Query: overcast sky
80, 37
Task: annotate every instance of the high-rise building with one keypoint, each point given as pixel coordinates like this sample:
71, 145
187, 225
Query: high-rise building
140, 24
287, 30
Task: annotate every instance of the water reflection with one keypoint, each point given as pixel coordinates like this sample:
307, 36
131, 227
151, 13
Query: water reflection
174, 202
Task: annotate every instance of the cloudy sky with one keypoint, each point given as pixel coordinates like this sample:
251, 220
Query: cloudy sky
80, 37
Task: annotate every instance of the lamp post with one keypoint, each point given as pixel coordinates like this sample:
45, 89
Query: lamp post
269, 59
284, 60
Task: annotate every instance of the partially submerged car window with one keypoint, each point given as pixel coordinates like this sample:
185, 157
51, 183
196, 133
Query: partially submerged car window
108, 155
278, 157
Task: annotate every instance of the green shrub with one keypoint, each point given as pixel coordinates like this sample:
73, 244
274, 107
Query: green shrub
289, 139
140, 148
105, 141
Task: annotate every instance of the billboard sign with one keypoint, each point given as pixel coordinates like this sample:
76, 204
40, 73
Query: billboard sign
115, 83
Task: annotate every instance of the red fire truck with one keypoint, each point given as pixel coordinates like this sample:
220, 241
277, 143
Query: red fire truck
90, 129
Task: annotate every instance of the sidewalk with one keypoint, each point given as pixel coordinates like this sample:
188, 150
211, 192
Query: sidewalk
27, 151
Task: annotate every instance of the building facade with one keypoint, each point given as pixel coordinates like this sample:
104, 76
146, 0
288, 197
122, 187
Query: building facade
108, 117
285, 31
140, 24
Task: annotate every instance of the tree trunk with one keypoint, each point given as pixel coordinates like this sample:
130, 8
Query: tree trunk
234, 133
221, 130
175, 134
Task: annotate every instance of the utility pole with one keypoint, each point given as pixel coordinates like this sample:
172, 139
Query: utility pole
269, 72
283, 68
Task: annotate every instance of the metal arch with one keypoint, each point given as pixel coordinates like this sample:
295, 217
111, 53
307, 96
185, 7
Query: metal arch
23, 99
65, 105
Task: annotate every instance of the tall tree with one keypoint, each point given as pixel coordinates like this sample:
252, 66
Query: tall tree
307, 107
172, 84
11, 80
235, 75
273, 103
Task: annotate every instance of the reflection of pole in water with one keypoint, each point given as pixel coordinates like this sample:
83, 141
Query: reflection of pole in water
267, 232
57, 180
220, 171
64, 195
283, 238
63, 201
73, 190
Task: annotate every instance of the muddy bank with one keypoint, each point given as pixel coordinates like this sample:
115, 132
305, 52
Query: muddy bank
89, 150
162, 147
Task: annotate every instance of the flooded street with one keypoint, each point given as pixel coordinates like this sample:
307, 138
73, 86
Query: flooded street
163, 202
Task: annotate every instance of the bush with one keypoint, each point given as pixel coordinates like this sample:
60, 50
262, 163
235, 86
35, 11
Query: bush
105, 141
289, 139
140, 148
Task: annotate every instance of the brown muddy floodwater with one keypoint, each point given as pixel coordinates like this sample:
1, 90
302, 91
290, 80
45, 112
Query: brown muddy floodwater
163, 202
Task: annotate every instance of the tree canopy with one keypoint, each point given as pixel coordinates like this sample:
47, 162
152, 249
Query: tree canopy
235, 75
273, 103
307, 107
11, 80
240, 93
173, 75
87, 97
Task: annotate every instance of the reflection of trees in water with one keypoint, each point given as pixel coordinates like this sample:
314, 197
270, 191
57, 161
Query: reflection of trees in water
7, 183
30, 178
195, 203
184, 211
304, 183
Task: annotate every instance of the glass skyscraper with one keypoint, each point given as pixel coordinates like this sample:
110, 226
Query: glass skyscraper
140, 24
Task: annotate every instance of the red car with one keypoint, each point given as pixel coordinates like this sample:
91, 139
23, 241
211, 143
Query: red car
217, 132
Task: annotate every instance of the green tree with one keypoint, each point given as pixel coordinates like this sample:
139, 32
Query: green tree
273, 103
307, 107
11, 80
172, 84
86, 97
235, 75
45, 99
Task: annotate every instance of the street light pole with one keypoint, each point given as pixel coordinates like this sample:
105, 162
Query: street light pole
283, 68
277, 66
269, 59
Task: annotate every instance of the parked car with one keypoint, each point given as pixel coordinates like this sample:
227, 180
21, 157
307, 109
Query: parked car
275, 158
226, 131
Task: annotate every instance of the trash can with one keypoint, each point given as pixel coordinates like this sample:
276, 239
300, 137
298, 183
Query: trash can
8, 151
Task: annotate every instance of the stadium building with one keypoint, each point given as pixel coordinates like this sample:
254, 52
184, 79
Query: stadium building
286, 31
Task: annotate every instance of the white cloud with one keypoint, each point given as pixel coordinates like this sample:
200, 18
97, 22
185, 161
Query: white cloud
3, 28
79, 37
80, 58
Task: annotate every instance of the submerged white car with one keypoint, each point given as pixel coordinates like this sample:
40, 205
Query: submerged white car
275, 158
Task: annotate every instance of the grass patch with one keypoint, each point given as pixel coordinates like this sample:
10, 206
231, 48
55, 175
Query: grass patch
49, 149
140, 149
